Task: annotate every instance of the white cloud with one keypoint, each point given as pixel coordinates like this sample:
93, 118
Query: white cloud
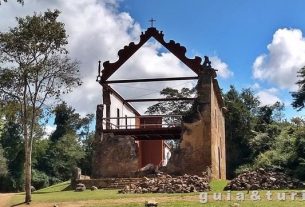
286, 55
222, 67
268, 96
49, 129
255, 86
97, 31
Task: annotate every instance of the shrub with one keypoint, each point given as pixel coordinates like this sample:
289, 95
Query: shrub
39, 179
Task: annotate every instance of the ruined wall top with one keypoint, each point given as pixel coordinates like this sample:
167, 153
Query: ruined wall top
176, 49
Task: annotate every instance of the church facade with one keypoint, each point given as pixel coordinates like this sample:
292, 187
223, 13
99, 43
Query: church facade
126, 140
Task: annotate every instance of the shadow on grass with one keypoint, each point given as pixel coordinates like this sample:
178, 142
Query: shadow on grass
18, 204
69, 187
37, 193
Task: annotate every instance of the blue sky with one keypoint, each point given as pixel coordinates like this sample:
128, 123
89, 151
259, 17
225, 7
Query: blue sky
258, 44
236, 31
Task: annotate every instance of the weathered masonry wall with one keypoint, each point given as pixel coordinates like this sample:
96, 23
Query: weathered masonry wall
114, 156
218, 155
202, 141
202, 144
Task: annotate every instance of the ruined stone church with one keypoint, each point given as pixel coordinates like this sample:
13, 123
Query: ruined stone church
126, 140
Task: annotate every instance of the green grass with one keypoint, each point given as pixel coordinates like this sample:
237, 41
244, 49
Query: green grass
55, 188
110, 198
218, 185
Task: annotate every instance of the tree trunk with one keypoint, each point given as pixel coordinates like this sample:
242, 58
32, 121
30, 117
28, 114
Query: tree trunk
27, 145
28, 163
28, 173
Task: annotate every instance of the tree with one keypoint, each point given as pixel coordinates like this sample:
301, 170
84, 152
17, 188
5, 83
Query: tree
66, 121
3, 166
63, 156
36, 67
298, 121
12, 143
69, 143
86, 162
239, 121
172, 107
299, 96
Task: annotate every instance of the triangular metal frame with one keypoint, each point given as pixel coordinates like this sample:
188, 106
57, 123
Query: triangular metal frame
175, 48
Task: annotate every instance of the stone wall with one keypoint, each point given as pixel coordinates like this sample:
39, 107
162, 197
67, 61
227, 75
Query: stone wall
202, 144
218, 153
193, 154
108, 183
114, 156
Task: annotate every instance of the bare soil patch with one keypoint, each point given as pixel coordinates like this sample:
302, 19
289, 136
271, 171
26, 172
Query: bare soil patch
5, 198
108, 202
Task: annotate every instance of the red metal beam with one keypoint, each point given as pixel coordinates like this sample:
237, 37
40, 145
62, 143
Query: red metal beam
148, 133
159, 99
150, 80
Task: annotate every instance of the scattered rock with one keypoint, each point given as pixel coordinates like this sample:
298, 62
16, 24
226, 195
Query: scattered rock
164, 183
93, 188
80, 187
265, 180
151, 203
149, 169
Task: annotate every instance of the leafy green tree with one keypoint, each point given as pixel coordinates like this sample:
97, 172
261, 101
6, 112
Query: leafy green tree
86, 162
66, 121
70, 144
251, 129
267, 115
36, 67
13, 150
299, 95
239, 122
63, 156
300, 153
3, 165
172, 107
298, 121
39, 150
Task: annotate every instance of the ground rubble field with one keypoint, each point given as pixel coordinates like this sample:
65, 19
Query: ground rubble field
55, 196
165, 183
264, 179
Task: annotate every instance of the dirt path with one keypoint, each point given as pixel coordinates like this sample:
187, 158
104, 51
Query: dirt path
5, 198
106, 202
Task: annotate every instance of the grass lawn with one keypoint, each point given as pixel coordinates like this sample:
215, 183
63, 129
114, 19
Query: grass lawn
108, 198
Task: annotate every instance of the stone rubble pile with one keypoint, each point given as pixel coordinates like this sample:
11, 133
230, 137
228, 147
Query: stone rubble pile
263, 179
164, 183
80, 187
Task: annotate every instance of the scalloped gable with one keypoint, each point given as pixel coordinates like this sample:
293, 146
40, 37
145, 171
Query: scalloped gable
125, 53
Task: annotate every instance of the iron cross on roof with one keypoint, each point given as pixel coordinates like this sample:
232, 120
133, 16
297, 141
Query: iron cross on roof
152, 22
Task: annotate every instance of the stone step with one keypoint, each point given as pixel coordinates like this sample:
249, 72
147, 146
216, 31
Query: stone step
109, 183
